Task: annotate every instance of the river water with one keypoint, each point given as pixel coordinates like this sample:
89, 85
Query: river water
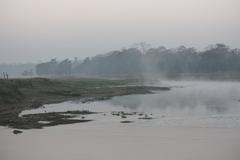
194, 120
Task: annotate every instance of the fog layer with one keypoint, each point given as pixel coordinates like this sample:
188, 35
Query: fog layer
33, 30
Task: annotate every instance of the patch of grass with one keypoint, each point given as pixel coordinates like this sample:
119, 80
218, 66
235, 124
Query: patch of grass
16, 90
9, 92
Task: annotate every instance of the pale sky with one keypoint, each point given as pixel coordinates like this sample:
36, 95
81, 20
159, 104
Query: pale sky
38, 30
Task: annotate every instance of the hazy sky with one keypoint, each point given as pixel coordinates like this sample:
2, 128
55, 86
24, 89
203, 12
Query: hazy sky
37, 30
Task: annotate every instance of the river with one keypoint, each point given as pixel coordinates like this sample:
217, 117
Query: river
194, 120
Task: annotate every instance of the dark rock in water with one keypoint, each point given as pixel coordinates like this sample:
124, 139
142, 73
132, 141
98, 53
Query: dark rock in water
17, 132
145, 117
140, 114
129, 113
123, 116
126, 121
118, 113
148, 118
114, 113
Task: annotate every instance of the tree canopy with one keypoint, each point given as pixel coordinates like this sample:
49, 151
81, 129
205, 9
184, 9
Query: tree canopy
137, 61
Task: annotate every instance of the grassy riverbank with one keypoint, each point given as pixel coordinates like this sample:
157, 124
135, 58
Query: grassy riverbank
20, 94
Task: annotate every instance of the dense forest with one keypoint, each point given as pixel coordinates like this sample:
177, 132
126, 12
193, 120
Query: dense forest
215, 60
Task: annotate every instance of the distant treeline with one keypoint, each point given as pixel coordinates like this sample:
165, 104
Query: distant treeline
216, 60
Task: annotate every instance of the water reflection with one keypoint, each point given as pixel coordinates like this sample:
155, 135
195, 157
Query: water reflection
192, 98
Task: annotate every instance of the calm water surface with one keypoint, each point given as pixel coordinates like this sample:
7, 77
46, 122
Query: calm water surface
194, 120
184, 98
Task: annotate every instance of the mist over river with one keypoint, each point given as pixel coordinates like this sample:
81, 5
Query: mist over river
185, 98
194, 120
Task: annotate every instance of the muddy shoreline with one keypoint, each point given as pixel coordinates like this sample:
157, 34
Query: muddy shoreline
37, 93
